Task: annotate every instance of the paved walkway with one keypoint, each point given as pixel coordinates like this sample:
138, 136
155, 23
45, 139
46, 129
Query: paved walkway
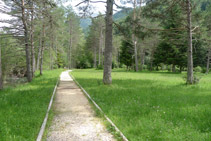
75, 120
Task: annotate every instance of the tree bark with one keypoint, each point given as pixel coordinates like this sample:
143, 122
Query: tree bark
107, 79
100, 46
208, 61
70, 45
173, 68
102, 52
95, 57
39, 54
142, 59
1, 75
52, 43
32, 39
134, 37
42, 48
190, 79
26, 40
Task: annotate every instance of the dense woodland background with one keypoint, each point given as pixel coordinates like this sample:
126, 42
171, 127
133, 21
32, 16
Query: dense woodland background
46, 35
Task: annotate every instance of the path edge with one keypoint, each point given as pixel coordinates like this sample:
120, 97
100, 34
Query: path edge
42, 129
109, 120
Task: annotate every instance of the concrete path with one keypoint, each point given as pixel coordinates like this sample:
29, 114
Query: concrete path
75, 120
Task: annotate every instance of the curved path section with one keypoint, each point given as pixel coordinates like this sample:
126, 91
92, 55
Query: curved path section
75, 120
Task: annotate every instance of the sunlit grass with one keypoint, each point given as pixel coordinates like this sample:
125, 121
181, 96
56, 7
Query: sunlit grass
23, 108
152, 105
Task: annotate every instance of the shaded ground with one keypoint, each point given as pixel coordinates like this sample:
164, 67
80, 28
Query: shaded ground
74, 119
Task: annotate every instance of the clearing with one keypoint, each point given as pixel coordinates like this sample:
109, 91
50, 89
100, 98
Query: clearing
152, 105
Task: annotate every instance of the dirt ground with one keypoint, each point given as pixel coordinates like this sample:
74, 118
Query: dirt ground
75, 120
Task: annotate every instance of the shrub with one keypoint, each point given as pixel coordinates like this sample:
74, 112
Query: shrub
204, 70
99, 67
196, 79
198, 69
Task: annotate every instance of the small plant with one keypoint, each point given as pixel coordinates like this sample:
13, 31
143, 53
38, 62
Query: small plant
204, 70
196, 79
198, 69
99, 67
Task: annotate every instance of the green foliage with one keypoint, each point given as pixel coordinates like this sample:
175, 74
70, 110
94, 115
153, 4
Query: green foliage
23, 107
152, 106
199, 52
198, 69
172, 48
83, 58
100, 67
204, 70
126, 54
60, 60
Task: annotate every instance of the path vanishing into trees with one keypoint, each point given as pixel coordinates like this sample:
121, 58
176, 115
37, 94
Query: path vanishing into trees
74, 118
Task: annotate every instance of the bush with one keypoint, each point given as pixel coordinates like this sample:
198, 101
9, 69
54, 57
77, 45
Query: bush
198, 69
196, 79
99, 67
204, 70
144, 67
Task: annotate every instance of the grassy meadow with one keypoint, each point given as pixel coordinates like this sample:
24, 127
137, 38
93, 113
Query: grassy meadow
152, 105
23, 108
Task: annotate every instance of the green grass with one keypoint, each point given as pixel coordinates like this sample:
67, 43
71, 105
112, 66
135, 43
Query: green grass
152, 105
23, 108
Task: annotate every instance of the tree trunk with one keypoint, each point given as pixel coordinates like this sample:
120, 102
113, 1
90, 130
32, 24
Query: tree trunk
70, 45
26, 40
32, 39
108, 43
208, 61
118, 62
39, 54
1, 75
134, 37
95, 57
100, 45
42, 48
52, 43
190, 78
56, 47
173, 68
102, 55
180, 69
142, 59
162, 67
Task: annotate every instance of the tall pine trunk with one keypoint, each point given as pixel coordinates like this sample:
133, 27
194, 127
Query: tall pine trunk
208, 61
26, 41
1, 75
190, 78
95, 57
142, 59
32, 39
108, 43
70, 45
42, 48
100, 46
52, 43
39, 53
102, 52
134, 37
